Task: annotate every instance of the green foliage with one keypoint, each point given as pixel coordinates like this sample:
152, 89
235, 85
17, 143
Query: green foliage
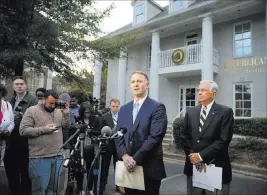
247, 150
84, 82
46, 33
251, 127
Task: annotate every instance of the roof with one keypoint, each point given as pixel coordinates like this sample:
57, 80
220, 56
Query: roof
164, 13
152, 2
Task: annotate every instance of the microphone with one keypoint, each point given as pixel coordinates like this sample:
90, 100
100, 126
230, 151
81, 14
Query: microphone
106, 131
120, 133
80, 128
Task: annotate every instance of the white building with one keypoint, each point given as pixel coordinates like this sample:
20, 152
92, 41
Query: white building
192, 40
35, 80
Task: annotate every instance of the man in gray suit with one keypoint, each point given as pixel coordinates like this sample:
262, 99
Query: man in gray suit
207, 133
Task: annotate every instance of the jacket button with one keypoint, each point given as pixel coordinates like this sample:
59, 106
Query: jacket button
198, 141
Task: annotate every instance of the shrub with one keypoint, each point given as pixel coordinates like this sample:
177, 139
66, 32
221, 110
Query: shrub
250, 127
247, 150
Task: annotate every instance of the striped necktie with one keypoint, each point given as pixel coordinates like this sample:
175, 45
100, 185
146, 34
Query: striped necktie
203, 116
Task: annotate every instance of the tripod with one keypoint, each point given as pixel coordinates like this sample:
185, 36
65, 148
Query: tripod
98, 164
76, 166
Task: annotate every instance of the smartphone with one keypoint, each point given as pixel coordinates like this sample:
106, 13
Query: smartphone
55, 126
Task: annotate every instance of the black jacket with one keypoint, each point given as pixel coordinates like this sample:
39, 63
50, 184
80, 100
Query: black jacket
212, 142
15, 139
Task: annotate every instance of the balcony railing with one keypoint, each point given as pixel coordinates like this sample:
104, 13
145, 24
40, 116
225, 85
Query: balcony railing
192, 55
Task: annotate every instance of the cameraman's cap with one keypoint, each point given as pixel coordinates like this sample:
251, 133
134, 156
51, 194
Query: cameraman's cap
64, 97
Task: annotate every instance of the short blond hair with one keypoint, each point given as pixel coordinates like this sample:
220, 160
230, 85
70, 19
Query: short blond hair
141, 73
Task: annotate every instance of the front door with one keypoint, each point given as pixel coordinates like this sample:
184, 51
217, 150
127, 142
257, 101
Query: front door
188, 98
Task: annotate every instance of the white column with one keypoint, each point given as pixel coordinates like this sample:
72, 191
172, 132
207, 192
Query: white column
97, 79
122, 77
207, 48
49, 79
153, 77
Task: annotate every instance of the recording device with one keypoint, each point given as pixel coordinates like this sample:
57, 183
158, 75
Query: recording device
60, 105
18, 109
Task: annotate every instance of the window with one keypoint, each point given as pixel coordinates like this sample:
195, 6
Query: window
139, 13
242, 100
242, 39
177, 4
149, 57
33, 82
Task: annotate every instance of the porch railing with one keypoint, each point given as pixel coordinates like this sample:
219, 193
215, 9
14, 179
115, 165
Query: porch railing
192, 55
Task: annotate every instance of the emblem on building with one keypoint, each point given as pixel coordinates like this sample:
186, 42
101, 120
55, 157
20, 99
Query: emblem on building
178, 56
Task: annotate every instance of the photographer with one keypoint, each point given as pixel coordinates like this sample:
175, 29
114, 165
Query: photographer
88, 116
16, 158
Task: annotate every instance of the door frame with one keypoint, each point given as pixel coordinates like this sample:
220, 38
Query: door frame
184, 98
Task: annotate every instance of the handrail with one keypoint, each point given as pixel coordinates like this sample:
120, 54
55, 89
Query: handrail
179, 114
172, 139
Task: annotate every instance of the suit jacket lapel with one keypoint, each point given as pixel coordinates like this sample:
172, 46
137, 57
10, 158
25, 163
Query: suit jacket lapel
212, 113
140, 114
110, 119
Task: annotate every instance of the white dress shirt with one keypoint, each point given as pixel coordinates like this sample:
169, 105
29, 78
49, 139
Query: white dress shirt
141, 101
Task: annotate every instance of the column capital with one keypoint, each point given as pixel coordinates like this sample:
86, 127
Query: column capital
206, 16
155, 33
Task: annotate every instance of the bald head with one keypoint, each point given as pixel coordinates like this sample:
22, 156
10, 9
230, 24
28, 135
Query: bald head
207, 91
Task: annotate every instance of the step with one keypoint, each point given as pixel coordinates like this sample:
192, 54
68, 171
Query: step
167, 140
168, 136
166, 146
169, 131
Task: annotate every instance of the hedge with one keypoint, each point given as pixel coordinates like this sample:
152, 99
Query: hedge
250, 127
248, 150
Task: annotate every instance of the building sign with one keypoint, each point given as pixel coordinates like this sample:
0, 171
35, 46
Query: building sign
246, 65
178, 56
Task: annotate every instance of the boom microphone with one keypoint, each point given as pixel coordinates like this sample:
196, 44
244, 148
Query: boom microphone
106, 131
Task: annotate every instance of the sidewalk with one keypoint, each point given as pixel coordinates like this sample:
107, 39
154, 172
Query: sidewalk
237, 168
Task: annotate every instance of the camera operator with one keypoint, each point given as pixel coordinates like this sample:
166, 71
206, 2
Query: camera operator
88, 116
16, 158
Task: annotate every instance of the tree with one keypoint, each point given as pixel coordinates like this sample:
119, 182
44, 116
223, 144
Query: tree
85, 83
42, 33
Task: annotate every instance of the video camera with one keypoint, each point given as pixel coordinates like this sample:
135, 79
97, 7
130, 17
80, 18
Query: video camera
60, 105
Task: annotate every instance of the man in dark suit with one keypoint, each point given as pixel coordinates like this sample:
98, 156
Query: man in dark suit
110, 119
207, 133
146, 121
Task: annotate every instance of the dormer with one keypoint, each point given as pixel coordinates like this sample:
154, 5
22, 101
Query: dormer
176, 5
144, 10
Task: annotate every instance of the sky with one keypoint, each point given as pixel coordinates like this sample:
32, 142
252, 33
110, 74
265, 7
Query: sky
120, 16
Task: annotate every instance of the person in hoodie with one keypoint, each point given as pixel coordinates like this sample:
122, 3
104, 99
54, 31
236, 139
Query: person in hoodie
43, 125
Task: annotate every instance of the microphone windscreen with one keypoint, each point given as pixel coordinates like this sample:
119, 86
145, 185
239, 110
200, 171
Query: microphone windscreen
124, 130
106, 130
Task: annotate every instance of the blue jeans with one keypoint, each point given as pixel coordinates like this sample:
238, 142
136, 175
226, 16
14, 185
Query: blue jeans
44, 174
